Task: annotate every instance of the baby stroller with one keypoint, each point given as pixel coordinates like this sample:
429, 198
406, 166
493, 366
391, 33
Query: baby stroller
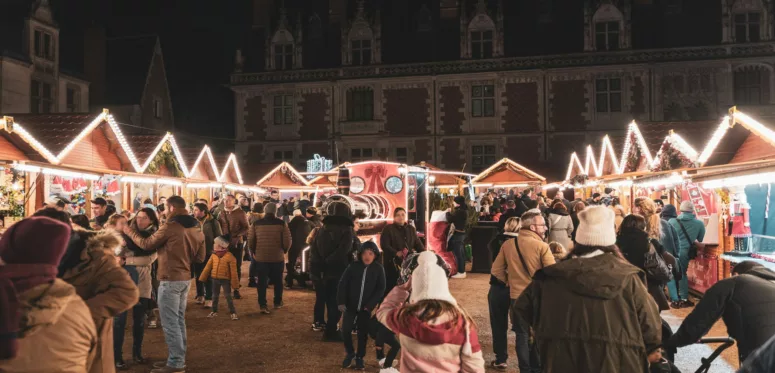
726, 342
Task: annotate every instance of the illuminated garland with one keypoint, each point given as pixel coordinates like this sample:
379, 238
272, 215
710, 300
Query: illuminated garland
165, 157
633, 158
578, 180
671, 159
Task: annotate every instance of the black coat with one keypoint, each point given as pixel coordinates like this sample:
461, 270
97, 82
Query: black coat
510, 213
747, 305
329, 250
634, 245
495, 249
361, 287
300, 228
459, 217
395, 238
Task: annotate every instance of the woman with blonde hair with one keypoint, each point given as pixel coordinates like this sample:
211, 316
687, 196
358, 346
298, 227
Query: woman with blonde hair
657, 228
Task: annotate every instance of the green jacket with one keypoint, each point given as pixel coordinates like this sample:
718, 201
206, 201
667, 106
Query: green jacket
591, 315
211, 230
694, 227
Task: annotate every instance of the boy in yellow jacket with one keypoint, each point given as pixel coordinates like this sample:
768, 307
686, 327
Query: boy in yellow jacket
222, 267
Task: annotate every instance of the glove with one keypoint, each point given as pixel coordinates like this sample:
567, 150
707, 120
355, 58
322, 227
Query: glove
342, 308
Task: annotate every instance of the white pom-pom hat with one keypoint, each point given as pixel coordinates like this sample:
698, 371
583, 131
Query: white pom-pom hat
429, 281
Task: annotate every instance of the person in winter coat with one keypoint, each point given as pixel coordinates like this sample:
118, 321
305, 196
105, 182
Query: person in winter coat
690, 230
591, 312
300, 228
302, 204
510, 212
560, 225
574, 217
360, 290
499, 300
397, 240
313, 217
662, 231
222, 269
436, 334
458, 217
90, 266
762, 360
668, 212
211, 230
234, 222
746, 303
268, 240
179, 243
46, 326
635, 245
515, 265
328, 260
137, 262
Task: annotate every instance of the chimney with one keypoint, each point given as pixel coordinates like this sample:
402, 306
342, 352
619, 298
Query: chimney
95, 63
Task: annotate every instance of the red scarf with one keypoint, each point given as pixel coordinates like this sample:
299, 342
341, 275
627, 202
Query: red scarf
14, 280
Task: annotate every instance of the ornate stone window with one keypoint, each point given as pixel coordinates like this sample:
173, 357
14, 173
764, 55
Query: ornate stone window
43, 44
482, 37
607, 26
284, 49
282, 109
746, 21
41, 97
608, 95
360, 104
361, 40
752, 85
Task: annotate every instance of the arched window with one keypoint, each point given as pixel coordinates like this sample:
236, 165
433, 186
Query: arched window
315, 27
361, 41
608, 24
746, 21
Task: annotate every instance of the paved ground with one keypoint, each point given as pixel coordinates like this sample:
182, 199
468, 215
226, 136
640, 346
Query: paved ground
284, 342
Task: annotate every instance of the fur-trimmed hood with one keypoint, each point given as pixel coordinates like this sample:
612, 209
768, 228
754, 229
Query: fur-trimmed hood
92, 247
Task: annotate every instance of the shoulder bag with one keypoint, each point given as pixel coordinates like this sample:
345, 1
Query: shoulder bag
655, 266
692, 246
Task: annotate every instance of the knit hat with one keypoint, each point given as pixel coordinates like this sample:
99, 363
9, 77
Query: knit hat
369, 245
30, 251
270, 208
596, 227
460, 200
429, 281
687, 206
222, 241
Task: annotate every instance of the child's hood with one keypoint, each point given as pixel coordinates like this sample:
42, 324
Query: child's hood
438, 332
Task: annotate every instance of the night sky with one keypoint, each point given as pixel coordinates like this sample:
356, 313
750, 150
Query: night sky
198, 38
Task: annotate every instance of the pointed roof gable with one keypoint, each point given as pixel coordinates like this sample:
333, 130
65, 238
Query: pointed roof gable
231, 170
283, 176
200, 163
751, 140
507, 171
147, 147
634, 150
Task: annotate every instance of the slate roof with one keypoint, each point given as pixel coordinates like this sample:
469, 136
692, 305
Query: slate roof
143, 145
55, 131
128, 61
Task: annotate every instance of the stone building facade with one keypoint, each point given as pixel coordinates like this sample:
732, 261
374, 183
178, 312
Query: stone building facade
464, 83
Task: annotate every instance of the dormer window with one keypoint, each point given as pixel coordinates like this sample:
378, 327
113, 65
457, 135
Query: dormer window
361, 52
607, 35
283, 56
424, 19
315, 27
481, 44
284, 48
747, 27
44, 45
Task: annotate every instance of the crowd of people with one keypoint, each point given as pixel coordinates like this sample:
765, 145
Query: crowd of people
582, 290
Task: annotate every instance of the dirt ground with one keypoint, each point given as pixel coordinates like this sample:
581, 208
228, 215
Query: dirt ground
284, 341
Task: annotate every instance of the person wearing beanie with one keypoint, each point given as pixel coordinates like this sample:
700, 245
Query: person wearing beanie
46, 326
745, 303
397, 241
515, 265
222, 269
269, 239
361, 288
436, 334
329, 253
591, 312
690, 232
458, 217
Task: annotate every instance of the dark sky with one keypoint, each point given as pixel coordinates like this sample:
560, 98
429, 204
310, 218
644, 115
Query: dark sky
198, 38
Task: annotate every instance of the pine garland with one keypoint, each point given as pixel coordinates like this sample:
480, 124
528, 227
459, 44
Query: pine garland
166, 157
633, 158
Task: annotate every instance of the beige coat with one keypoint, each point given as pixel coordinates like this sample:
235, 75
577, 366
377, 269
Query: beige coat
57, 332
508, 268
105, 286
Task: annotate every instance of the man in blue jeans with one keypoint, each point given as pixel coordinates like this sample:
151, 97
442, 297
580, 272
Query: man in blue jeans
690, 230
459, 218
179, 243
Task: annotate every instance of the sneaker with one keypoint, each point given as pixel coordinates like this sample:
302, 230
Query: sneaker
318, 326
237, 294
200, 300
139, 360
212, 314
348, 361
152, 325
687, 303
278, 306
265, 310
359, 365
121, 365
459, 275
208, 304
287, 287
499, 366
167, 369
234, 317
675, 304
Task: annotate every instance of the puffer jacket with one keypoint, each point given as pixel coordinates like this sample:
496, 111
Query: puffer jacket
234, 223
179, 243
57, 332
269, 239
560, 228
330, 248
221, 266
591, 314
362, 286
746, 303
211, 229
104, 285
508, 267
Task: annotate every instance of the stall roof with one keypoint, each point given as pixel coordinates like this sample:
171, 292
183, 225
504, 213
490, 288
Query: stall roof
506, 172
740, 139
145, 147
200, 158
283, 176
231, 170
443, 179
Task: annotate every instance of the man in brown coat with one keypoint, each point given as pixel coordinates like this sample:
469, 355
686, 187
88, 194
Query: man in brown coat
234, 222
515, 265
269, 239
179, 243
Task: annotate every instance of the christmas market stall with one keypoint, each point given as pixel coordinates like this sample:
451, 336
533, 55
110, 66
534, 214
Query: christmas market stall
283, 181
506, 175
203, 180
231, 177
